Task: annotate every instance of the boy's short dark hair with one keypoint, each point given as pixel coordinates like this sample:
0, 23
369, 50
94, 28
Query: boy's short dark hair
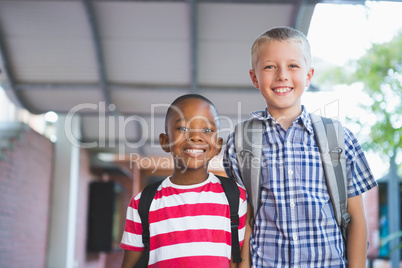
182, 98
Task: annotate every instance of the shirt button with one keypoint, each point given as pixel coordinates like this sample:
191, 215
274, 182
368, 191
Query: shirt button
290, 172
295, 237
292, 205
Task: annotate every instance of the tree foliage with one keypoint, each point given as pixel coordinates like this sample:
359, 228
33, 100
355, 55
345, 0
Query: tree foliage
380, 72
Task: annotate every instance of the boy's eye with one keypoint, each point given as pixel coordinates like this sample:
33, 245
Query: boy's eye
293, 66
183, 129
207, 130
269, 67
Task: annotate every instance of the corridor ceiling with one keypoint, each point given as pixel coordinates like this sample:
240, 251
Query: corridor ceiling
120, 63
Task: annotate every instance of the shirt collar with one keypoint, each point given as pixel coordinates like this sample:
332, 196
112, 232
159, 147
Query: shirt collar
303, 118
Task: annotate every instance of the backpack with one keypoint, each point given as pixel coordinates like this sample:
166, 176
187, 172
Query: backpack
232, 193
330, 140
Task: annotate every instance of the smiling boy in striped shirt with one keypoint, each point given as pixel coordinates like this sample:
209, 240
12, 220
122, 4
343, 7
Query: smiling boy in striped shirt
189, 218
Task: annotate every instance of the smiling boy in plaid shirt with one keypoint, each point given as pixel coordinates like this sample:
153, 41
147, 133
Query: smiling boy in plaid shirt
295, 225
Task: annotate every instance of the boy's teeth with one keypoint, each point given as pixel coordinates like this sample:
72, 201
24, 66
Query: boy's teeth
282, 89
194, 151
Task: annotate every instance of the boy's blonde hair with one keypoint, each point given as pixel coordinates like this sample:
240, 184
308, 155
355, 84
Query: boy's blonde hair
281, 34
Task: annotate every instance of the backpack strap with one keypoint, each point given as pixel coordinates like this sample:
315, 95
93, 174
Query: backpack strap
330, 138
232, 193
147, 195
248, 145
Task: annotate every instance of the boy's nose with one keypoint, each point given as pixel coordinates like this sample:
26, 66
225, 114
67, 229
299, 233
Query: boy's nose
194, 136
282, 75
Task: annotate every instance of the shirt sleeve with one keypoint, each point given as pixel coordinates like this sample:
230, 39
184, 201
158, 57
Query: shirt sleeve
132, 235
360, 177
242, 214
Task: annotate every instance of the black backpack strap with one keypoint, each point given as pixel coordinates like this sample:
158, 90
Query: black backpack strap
147, 195
232, 193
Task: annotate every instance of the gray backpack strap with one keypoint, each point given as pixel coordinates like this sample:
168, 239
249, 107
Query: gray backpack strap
248, 145
330, 138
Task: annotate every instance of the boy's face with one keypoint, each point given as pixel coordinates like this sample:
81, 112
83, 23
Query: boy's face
192, 136
281, 74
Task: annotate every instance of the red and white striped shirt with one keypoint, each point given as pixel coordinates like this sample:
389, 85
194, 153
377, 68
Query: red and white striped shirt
189, 225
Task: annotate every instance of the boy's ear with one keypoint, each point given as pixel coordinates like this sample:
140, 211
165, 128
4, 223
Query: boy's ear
164, 142
219, 146
309, 76
254, 78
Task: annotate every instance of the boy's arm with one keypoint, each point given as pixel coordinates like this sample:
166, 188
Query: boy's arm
357, 233
245, 250
131, 257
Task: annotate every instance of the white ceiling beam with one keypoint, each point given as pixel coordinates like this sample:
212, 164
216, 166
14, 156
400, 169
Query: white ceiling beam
112, 87
194, 45
93, 25
9, 84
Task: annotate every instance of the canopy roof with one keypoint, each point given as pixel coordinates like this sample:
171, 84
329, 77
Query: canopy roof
109, 60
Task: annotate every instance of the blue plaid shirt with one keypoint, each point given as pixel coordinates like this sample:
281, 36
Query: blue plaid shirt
295, 225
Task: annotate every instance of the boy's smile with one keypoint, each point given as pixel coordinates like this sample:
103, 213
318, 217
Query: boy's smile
281, 74
192, 136
280, 90
194, 152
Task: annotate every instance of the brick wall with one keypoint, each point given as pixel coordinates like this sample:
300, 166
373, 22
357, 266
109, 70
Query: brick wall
25, 184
